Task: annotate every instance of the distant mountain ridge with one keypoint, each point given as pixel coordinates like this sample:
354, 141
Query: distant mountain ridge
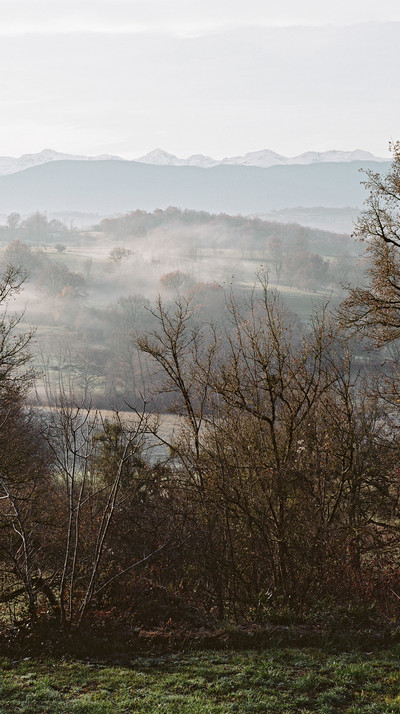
11, 165
107, 187
263, 159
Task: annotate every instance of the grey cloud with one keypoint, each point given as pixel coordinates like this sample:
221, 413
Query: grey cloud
289, 89
18, 16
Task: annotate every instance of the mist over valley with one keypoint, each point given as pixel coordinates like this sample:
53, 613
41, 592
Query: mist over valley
90, 291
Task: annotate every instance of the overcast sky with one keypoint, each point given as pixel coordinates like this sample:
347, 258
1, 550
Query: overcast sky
219, 77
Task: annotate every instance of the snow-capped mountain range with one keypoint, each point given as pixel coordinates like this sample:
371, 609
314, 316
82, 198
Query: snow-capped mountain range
263, 158
159, 157
11, 165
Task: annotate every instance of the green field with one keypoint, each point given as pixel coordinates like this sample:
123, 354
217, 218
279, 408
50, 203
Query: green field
277, 680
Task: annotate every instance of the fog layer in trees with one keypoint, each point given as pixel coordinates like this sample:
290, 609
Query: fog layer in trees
88, 291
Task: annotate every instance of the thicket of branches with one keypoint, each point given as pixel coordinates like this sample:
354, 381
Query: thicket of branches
280, 490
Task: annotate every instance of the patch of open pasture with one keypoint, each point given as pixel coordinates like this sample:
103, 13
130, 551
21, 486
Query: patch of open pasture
303, 303
306, 304
74, 258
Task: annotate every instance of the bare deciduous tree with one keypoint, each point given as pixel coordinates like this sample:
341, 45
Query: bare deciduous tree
374, 308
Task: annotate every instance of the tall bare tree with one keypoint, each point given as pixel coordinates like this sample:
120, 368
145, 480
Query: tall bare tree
374, 308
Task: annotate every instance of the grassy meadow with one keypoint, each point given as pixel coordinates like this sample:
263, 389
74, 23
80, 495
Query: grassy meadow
277, 680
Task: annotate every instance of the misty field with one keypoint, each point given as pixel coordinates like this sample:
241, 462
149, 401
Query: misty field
279, 680
91, 293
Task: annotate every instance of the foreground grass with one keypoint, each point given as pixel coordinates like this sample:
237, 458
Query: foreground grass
277, 680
